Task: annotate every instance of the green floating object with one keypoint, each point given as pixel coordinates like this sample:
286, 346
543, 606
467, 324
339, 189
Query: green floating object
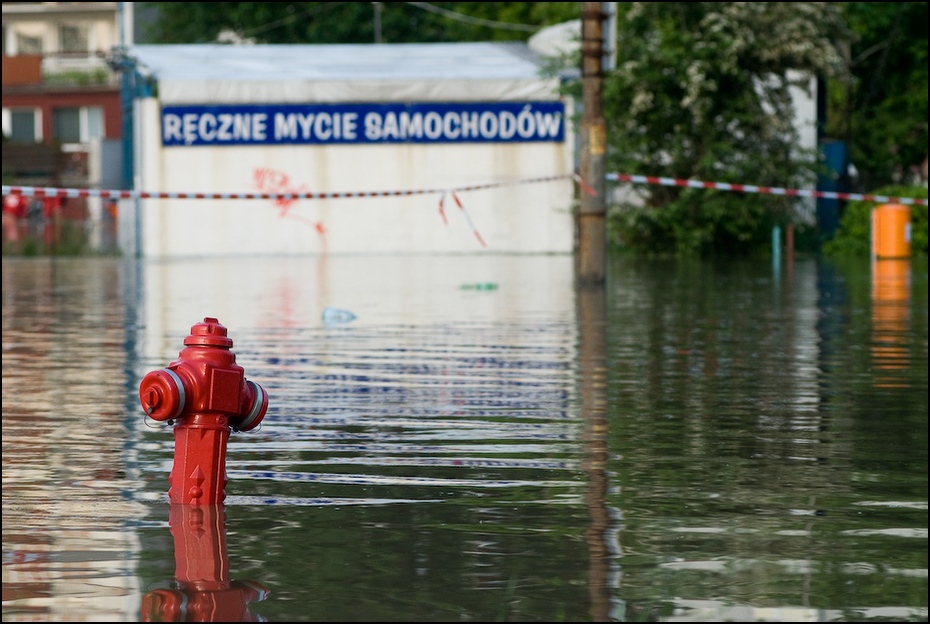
480, 286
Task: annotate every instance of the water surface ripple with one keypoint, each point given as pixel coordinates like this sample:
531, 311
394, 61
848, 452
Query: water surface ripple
695, 441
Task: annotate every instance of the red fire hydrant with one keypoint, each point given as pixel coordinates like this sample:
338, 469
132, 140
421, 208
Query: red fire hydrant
205, 395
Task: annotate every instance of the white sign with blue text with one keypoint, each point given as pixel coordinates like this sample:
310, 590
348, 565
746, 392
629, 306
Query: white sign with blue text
297, 124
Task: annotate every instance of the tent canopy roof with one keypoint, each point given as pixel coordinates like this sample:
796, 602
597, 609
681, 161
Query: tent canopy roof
222, 73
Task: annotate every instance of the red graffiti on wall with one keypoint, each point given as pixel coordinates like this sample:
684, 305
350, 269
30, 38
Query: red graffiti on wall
271, 181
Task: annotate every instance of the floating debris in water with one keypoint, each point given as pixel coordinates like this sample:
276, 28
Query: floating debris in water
480, 286
337, 315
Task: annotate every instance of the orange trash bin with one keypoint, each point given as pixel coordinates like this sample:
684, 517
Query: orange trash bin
891, 231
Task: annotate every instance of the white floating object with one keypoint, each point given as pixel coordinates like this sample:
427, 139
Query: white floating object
337, 315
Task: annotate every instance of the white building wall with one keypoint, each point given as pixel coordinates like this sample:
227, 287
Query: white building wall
41, 21
527, 218
506, 213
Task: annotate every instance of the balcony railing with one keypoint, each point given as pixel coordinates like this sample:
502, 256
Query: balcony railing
58, 70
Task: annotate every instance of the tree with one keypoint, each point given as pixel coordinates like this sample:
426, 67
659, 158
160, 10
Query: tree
702, 90
353, 22
882, 113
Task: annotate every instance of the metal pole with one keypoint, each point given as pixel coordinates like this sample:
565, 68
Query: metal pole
590, 226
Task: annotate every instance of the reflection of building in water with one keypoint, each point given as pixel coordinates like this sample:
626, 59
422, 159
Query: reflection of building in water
70, 575
268, 294
432, 378
891, 295
68, 554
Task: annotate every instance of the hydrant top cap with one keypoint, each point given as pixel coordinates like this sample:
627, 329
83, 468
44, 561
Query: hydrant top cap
209, 333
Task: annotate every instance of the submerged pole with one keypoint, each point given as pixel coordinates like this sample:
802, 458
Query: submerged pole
776, 247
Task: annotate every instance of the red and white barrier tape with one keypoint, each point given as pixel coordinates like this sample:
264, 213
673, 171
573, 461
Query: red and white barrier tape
34, 191
770, 190
471, 224
37, 191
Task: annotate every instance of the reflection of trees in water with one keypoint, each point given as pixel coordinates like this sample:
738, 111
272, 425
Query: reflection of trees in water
736, 404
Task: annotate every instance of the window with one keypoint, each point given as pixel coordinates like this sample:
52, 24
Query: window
77, 125
22, 124
28, 45
66, 124
94, 122
72, 38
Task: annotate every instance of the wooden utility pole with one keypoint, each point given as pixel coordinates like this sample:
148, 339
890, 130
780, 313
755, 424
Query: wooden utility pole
591, 227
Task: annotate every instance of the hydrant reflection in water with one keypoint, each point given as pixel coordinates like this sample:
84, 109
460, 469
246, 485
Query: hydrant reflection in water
205, 395
203, 591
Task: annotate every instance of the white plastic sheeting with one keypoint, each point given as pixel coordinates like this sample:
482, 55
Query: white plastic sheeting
204, 74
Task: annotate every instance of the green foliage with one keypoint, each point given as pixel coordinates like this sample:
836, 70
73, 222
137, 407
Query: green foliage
882, 113
703, 91
854, 235
354, 22
69, 238
83, 78
698, 223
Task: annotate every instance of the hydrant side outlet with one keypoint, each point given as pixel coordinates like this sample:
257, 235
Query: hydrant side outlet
258, 407
162, 394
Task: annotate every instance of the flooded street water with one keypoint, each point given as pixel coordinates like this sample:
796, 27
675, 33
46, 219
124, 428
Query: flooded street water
482, 442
